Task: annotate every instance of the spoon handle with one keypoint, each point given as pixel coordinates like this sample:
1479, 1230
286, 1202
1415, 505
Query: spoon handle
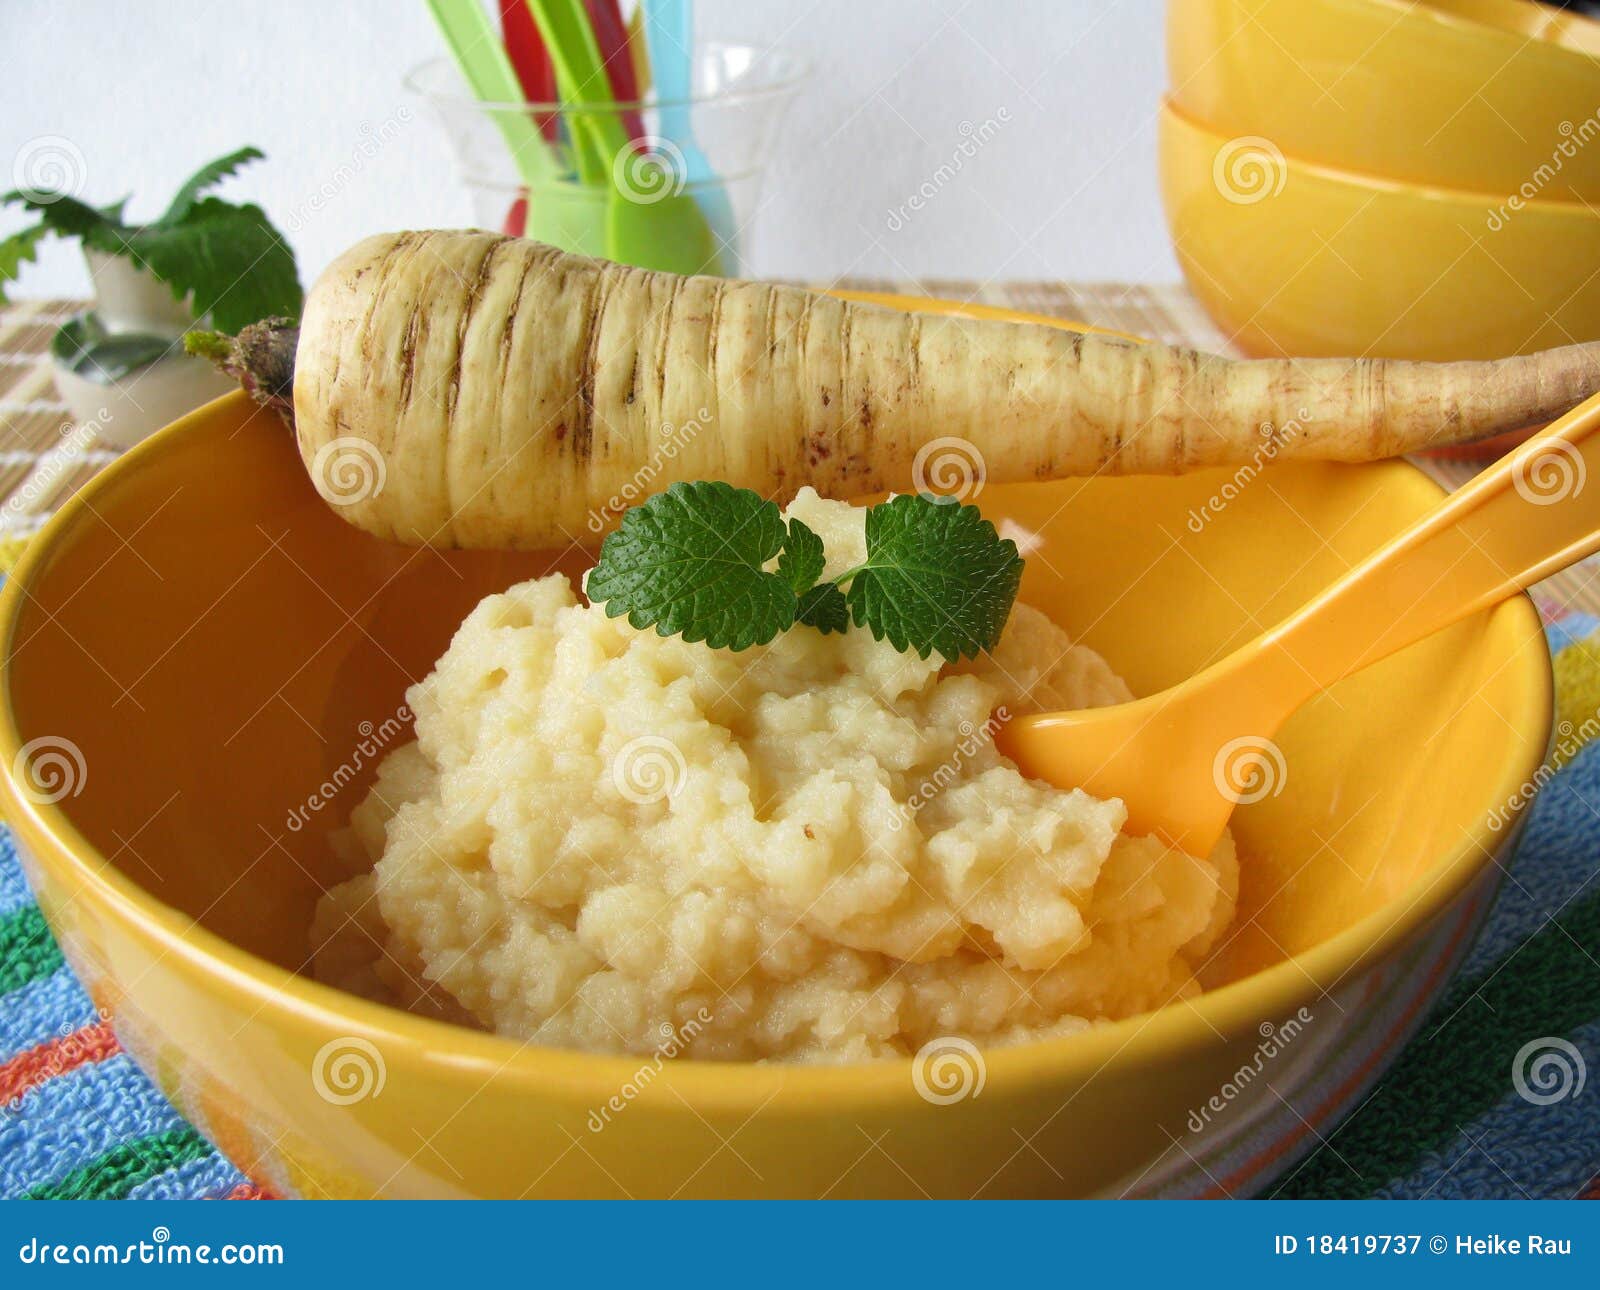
669, 36
1534, 512
564, 24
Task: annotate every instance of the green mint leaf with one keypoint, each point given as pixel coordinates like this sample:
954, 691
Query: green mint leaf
937, 577
802, 559
207, 177
824, 608
690, 562
231, 257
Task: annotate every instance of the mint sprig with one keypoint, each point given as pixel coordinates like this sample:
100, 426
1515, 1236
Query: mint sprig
803, 557
824, 608
937, 577
692, 562
689, 562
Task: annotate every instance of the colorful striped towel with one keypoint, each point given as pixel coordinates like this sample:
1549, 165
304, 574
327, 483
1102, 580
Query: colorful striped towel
78, 1119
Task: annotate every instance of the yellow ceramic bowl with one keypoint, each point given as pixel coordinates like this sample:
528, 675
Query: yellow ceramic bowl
204, 644
1295, 258
1483, 95
1530, 19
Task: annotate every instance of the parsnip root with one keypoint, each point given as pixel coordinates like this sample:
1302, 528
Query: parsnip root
514, 393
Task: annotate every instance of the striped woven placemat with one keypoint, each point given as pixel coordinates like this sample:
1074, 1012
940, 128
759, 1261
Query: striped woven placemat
41, 461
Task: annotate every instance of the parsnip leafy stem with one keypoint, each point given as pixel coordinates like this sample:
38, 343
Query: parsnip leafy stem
692, 562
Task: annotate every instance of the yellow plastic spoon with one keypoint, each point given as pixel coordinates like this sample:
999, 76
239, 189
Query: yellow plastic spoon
1180, 760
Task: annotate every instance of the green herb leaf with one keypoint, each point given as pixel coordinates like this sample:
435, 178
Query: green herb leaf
61, 216
693, 562
68, 217
15, 251
824, 608
237, 265
231, 257
937, 577
690, 562
802, 559
207, 177
85, 346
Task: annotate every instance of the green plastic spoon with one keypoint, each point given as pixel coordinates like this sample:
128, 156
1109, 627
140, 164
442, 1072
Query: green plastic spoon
571, 216
650, 221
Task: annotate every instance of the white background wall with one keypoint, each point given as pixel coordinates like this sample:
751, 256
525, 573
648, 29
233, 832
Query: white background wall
144, 91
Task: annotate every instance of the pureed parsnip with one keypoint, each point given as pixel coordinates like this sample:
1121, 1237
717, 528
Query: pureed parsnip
810, 850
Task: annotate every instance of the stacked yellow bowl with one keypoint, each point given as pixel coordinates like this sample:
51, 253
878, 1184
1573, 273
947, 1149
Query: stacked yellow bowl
1396, 178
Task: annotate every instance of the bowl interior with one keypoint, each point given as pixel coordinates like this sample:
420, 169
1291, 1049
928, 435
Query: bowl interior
230, 660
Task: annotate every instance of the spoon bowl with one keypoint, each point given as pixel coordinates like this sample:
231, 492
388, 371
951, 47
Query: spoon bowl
1112, 752
1182, 758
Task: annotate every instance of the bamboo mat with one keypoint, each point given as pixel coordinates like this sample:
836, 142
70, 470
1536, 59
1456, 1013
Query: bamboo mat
42, 462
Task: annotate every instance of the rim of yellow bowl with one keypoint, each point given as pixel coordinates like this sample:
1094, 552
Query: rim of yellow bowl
1474, 199
1524, 20
1229, 1011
